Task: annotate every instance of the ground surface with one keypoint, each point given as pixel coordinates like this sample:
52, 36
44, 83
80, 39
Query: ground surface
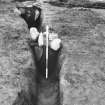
82, 76
16, 70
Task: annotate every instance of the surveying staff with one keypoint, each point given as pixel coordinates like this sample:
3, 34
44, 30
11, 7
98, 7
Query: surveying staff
38, 46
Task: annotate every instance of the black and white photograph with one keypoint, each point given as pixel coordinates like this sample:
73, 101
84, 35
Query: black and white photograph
52, 52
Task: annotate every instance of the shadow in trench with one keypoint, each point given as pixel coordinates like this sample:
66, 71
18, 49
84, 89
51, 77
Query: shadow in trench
47, 90
32, 15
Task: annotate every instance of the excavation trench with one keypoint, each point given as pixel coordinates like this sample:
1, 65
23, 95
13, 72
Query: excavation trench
47, 89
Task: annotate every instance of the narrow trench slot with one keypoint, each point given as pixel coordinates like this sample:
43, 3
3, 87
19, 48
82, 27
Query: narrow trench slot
47, 89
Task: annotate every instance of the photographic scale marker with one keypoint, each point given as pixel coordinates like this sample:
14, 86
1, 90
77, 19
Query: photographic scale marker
47, 37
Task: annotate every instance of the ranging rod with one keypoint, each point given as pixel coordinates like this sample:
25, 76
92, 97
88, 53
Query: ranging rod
47, 38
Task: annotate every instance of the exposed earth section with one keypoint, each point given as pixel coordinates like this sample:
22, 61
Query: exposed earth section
83, 32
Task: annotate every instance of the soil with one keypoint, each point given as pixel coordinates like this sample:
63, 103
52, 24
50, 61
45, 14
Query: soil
82, 75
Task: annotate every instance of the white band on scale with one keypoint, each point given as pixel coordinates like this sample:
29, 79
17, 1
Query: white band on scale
47, 37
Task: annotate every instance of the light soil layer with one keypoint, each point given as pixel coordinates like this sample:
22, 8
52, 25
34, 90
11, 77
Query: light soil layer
82, 76
16, 65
